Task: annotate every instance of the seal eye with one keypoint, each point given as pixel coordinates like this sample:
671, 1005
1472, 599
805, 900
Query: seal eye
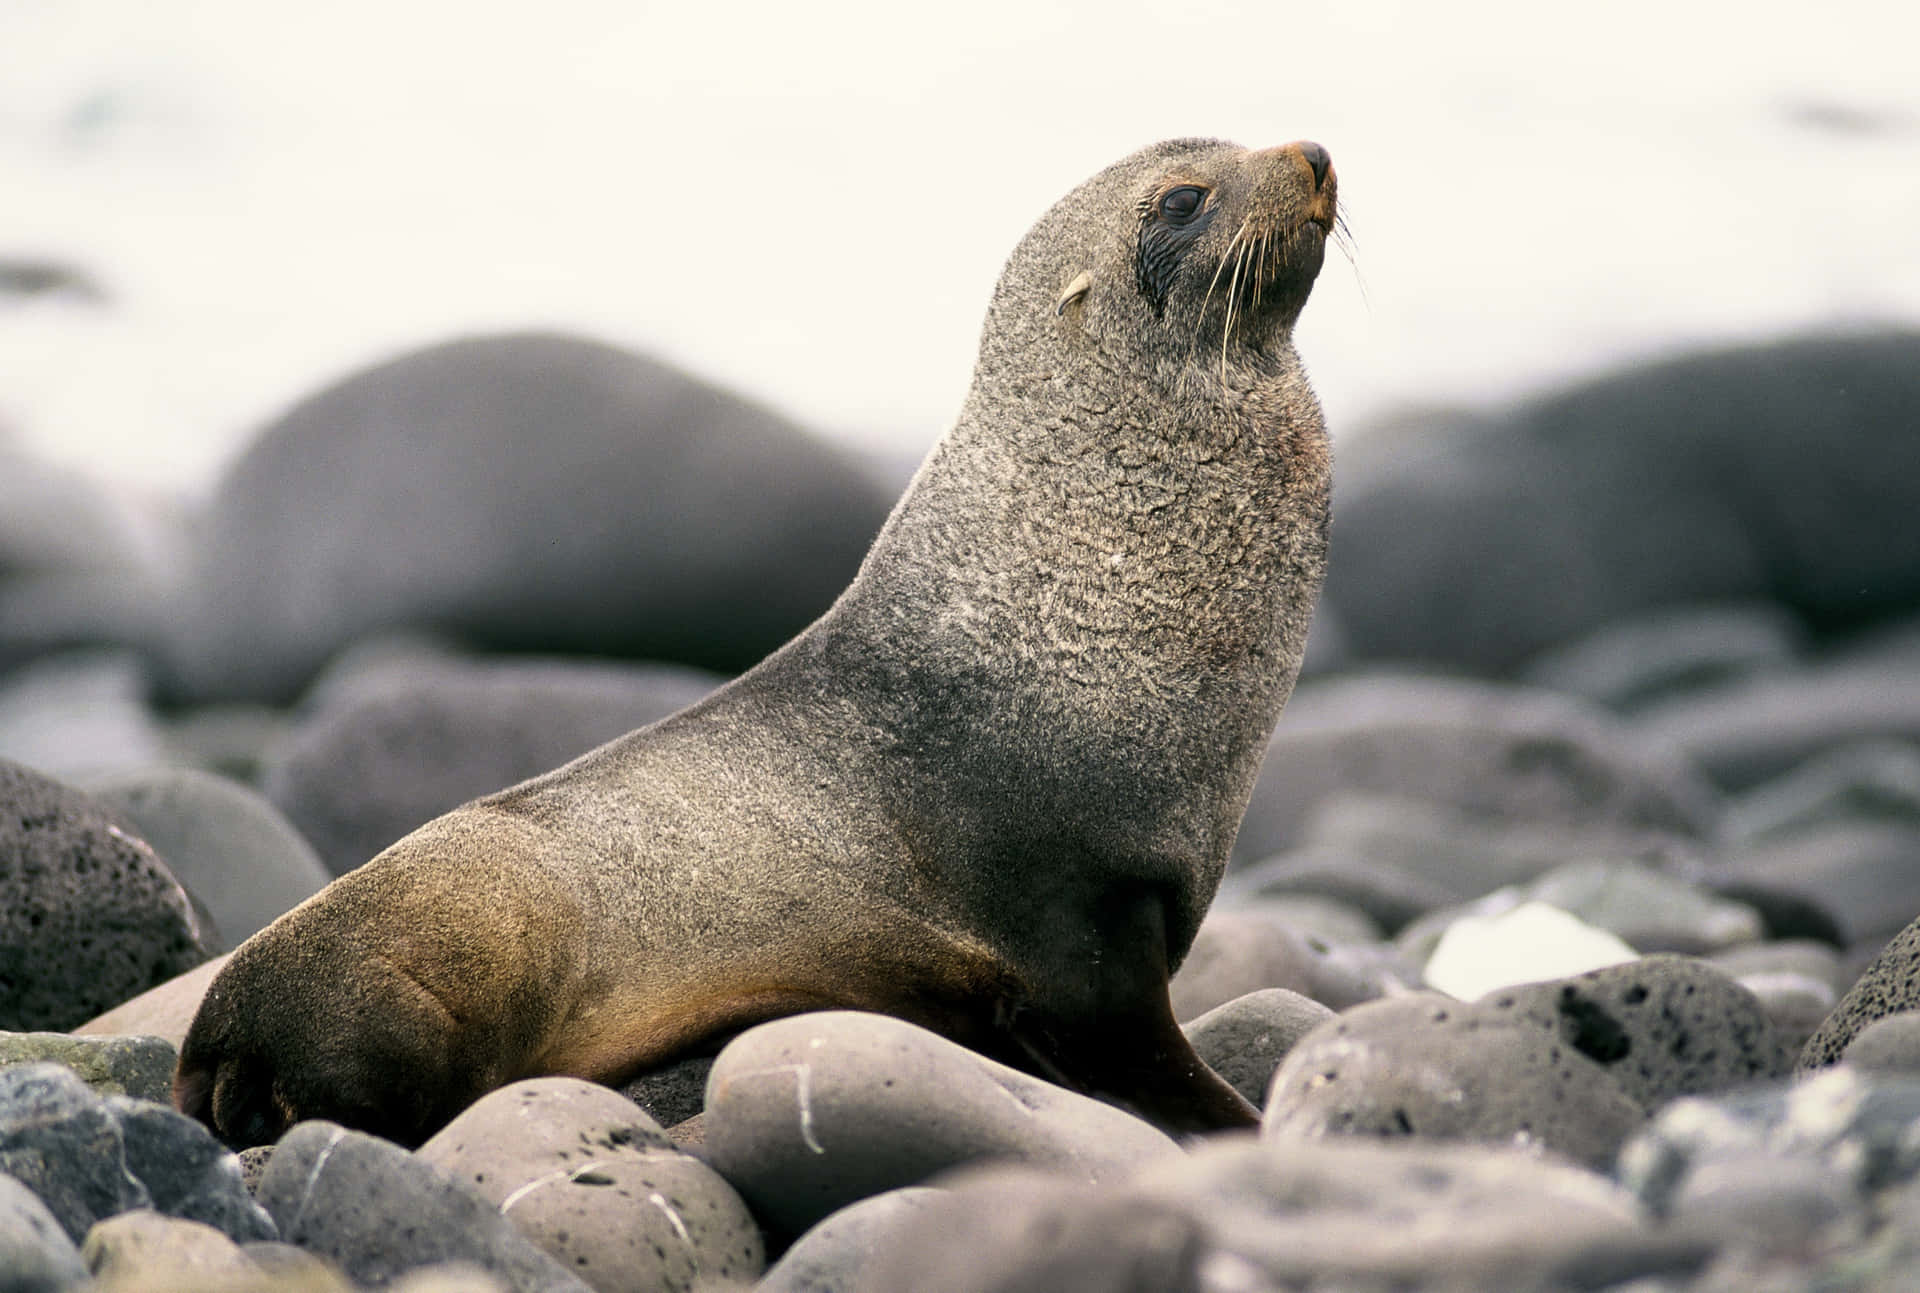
1181, 205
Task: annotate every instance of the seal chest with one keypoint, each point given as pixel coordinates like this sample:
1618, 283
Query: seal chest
991, 791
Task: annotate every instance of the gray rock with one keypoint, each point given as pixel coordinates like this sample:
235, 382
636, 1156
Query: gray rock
1326, 919
810, 1113
61, 1141
1797, 956
1477, 749
499, 489
1669, 653
187, 1172
1475, 543
36, 1254
1890, 1045
833, 1254
92, 916
1662, 1026
673, 1094
141, 1067
164, 1012
1865, 875
1424, 1065
1022, 1230
1769, 1202
1237, 952
394, 742
1245, 1039
1863, 1126
587, 1176
378, 1212
1745, 735
142, 1249
1797, 1004
1650, 910
1874, 781
1890, 985
1470, 855
1390, 895
224, 842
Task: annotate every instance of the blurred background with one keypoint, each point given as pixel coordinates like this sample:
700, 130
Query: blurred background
810, 204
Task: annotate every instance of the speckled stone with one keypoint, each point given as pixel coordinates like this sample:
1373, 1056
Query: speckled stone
1664, 1026
141, 1067
810, 1113
1425, 1065
1245, 1039
1890, 986
92, 916
673, 1094
377, 1212
589, 1177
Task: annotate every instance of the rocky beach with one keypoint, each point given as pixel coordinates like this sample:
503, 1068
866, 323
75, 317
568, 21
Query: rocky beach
1569, 940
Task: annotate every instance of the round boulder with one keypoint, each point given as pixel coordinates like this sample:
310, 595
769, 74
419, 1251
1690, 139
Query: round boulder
525, 492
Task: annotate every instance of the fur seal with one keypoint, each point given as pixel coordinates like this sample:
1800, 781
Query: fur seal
990, 791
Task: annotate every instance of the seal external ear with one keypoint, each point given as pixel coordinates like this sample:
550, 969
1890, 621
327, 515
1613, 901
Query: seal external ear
991, 791
1075, 290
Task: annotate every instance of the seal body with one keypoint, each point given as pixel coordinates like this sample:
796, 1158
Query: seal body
991, 791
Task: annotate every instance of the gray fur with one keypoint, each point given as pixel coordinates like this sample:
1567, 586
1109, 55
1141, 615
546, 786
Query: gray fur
992, 790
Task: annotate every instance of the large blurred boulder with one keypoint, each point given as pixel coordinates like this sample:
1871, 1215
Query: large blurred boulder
391, 740
523, 492
80, 563
1789, 471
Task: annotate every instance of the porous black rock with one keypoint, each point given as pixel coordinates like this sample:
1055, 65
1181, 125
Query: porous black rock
1890, 985
1425, 1065
390, 742
1662, 1026
525, 492
92, 915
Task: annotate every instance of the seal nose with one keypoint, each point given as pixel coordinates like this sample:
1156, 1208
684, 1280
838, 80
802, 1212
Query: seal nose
1316, 159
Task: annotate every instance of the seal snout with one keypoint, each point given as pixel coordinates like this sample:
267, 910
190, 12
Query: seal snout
1316, 159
